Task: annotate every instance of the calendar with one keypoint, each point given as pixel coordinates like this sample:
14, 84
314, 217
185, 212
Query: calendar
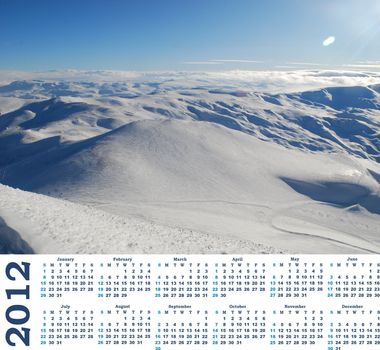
170, 302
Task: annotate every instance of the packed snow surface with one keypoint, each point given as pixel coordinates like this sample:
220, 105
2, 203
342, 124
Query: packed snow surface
193, 163
56, 226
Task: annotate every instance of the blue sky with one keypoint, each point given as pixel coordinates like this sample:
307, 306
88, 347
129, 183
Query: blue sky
187, 34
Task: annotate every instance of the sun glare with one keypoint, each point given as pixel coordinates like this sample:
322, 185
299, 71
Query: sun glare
329, 41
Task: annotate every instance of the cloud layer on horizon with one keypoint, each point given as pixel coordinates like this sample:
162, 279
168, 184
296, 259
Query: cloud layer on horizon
266, 81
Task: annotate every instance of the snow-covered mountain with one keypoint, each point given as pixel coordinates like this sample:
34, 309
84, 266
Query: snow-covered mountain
225, 160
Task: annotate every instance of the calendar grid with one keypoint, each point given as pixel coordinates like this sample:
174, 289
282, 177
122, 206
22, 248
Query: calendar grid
191, 302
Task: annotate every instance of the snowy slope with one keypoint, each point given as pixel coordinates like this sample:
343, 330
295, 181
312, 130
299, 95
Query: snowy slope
181, 171
55, 226
296, 171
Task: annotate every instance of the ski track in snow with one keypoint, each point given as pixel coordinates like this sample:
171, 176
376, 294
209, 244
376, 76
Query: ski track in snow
285, 220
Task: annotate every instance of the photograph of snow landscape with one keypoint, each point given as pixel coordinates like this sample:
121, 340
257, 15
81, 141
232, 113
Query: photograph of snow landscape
202, 126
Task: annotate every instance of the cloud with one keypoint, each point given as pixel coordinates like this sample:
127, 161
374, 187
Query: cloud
283, 67
291, 81
271, 81
306, 64
369, 62
221, 61
237, 61
7, 76
363, 65
203, 62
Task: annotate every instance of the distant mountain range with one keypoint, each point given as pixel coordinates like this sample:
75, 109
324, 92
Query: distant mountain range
292, 171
